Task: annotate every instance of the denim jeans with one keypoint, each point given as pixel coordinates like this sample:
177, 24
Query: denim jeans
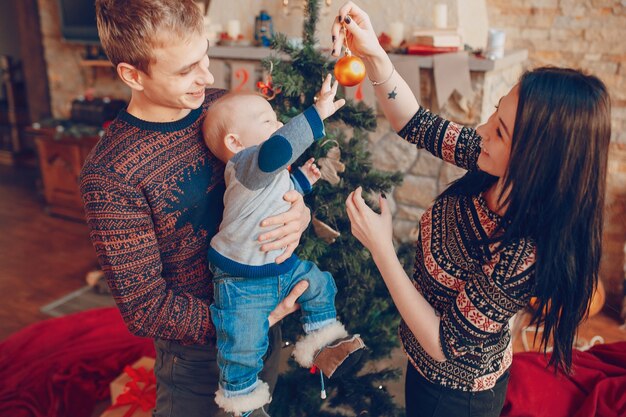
240, 310
187, 377
427, 399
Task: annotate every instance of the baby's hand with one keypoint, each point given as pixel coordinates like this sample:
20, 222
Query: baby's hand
311, 171
325, 104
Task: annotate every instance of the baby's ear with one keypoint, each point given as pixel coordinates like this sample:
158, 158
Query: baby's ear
232, 142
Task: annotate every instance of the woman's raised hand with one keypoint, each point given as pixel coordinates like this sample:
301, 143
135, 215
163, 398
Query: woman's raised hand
359, 32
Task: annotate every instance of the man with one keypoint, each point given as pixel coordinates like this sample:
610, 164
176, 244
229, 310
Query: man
153, 199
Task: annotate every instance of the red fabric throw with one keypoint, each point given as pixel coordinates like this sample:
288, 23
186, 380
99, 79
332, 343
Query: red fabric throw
597, 387
62, 367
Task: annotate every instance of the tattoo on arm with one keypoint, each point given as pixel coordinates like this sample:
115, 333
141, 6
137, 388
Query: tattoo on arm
392, 95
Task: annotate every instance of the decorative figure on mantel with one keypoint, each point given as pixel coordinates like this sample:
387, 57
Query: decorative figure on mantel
263, 29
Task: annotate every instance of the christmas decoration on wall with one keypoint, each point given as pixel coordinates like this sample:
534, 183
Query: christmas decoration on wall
242, 77
451, 72
409, 70
363, 302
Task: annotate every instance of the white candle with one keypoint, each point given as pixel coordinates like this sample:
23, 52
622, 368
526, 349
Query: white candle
495, 44
440, 15
233, 28
396, 33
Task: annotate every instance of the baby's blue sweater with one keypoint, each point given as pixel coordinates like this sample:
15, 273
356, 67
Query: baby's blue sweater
256, 181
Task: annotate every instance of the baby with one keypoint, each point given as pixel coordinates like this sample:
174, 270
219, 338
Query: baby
242, 130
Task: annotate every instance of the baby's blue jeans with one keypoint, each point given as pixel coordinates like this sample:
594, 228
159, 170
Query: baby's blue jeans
240, 313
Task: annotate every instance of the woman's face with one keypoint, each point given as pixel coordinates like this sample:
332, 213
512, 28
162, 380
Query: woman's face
497, 135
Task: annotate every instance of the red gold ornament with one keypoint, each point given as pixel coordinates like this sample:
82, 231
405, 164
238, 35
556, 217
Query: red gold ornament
266, 88
349, 70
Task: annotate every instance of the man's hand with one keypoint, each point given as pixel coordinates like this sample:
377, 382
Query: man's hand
292, 224
288, 305
311, 171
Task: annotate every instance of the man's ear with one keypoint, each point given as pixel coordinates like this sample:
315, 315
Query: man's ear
232, 142
131, 76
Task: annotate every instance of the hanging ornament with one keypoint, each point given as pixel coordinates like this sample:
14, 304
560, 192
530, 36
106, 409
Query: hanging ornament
324, 231
266, 88
349, 70
331, 165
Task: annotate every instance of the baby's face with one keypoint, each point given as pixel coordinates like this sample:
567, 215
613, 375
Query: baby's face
257, 121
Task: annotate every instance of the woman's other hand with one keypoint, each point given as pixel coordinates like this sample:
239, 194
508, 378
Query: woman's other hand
373, 230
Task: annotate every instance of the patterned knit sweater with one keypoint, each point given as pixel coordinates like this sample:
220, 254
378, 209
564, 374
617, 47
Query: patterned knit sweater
474, 299
153, 197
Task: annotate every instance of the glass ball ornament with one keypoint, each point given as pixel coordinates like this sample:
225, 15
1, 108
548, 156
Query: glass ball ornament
349, 70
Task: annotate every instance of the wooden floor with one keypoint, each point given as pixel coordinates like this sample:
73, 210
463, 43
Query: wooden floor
43, 258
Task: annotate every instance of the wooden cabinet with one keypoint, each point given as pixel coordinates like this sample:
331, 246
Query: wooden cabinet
60, 161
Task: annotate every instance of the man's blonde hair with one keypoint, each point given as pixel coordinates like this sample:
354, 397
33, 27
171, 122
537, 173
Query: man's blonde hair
129, 30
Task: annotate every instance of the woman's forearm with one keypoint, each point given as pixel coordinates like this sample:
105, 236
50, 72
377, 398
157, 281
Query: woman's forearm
394, 95
418, 314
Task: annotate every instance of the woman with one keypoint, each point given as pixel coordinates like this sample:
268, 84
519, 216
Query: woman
526, 220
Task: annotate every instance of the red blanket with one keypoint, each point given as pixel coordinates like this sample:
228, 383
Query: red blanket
62, 367
597, 387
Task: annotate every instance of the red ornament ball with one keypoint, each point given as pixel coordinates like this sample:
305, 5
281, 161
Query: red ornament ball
349, 70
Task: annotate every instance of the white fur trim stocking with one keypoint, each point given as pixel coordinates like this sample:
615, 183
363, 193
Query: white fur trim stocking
310, 344
247, 402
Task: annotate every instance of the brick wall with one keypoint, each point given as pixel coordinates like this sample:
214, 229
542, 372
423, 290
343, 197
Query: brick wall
586, 34
67, 79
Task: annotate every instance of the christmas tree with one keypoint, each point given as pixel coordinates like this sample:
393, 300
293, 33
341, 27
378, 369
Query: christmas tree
363, 303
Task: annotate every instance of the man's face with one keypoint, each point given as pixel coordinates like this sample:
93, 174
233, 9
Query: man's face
179, 74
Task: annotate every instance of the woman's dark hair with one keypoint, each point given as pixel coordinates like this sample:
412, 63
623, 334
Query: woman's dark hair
556, 176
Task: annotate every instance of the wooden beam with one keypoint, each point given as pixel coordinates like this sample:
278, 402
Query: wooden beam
33, 61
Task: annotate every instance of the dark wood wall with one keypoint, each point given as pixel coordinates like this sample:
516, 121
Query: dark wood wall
33, 62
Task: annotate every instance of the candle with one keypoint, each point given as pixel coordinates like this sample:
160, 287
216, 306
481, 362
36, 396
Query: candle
233, 28
495, 44
396, 33
440, 15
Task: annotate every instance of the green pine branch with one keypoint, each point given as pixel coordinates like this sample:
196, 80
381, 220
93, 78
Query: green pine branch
363, 303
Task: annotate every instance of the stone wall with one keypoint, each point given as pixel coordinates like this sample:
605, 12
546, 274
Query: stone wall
586, 34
